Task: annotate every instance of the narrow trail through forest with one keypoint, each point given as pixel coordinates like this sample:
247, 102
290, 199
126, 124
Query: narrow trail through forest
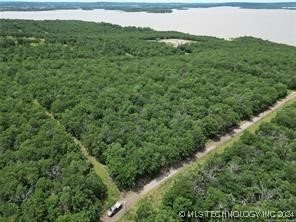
100, 169
131, 198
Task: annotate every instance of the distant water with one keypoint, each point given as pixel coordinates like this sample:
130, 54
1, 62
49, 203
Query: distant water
226, 22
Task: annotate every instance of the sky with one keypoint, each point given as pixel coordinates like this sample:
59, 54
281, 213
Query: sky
191, 1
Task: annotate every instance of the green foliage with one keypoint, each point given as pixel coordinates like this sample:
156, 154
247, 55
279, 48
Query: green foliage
256, 173
43, 175
145, 211
139, 105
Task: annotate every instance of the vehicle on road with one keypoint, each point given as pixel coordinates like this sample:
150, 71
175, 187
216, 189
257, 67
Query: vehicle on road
114, 209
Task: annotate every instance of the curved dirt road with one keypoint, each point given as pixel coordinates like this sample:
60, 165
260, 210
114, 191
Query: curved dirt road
131, 198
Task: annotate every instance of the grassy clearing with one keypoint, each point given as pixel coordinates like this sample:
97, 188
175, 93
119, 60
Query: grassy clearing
155, 196
175, 42
100, 169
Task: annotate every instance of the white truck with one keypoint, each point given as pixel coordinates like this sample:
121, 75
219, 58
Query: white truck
114, 209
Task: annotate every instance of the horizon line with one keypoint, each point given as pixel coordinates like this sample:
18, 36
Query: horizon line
167, 2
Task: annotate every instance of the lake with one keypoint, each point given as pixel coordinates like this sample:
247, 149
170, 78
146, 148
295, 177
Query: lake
277, 25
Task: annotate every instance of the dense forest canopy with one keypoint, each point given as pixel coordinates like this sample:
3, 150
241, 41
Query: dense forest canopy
138, 105
257, 173
43, 175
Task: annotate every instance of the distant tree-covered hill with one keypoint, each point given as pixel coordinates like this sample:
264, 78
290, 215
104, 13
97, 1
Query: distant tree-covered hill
134, 7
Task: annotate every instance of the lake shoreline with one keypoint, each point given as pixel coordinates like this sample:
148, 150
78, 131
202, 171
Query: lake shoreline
275, 25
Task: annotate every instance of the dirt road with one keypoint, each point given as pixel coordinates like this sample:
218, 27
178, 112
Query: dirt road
131, 198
